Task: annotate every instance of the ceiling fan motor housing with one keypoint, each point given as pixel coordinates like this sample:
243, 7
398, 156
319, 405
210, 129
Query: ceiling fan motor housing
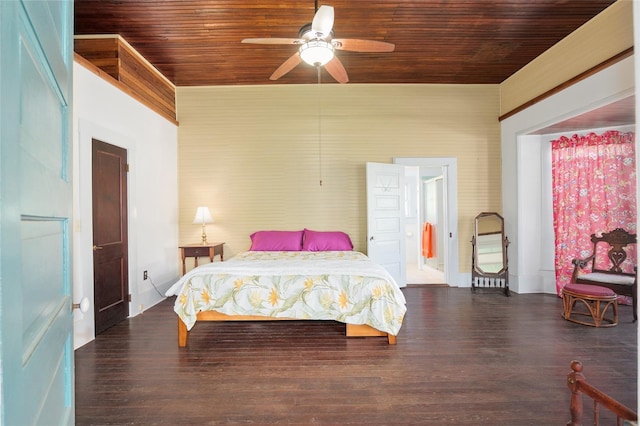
306, 32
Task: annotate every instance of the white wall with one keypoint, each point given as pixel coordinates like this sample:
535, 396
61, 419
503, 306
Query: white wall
522, 173
103, 112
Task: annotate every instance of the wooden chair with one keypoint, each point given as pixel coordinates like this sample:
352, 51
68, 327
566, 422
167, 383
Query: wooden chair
604, 268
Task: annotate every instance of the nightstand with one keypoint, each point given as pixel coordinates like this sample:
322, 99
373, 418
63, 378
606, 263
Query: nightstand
200, 250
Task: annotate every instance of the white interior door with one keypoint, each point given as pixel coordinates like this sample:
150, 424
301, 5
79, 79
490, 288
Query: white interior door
385, 218
36, 343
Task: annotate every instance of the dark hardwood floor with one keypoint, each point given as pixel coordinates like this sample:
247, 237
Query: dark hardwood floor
461, 358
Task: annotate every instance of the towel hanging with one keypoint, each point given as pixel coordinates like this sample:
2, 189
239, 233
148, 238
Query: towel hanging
427, 240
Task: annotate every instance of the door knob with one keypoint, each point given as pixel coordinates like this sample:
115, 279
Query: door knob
83, 305
371, 238
97, 248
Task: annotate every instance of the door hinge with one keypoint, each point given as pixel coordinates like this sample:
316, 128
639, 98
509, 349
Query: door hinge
129, 296
126, 167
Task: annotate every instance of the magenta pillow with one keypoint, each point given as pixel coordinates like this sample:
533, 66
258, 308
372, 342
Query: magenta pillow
326, 241
276, 241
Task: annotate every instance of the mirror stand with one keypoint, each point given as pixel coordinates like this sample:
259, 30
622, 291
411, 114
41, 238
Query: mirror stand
489, 260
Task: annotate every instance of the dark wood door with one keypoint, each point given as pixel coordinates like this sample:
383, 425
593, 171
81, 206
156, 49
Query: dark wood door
110, 265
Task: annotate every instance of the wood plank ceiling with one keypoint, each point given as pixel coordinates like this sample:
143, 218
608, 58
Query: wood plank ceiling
197, 42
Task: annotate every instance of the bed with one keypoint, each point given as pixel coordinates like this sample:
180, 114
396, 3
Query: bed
319, 278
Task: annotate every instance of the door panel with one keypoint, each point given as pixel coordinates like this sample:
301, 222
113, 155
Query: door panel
111, 285
36, 205
385, 218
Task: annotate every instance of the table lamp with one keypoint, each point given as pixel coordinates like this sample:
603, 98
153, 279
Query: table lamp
203, 216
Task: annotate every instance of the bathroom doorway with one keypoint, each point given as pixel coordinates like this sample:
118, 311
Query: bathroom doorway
431, 220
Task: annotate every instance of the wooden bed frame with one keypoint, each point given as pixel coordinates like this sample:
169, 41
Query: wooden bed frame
352, 330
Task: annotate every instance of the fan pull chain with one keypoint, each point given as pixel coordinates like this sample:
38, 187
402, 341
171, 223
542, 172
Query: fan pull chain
319, 129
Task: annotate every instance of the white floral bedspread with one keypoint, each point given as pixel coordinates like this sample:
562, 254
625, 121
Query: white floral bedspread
344, 286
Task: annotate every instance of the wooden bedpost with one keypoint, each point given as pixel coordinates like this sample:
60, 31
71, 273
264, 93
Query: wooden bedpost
573, 382
578, 385
183, 334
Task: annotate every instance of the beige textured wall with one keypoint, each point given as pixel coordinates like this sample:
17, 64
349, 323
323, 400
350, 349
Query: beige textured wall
604, 36
252, 155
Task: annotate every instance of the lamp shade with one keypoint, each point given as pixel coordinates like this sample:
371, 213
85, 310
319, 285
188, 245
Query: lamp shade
203, 215
316, 52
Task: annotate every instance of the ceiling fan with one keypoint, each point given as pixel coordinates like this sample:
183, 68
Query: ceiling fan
317, 46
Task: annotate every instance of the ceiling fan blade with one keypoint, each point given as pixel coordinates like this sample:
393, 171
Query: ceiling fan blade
323, 20
273, 40
335, 68
355, 45
286, 66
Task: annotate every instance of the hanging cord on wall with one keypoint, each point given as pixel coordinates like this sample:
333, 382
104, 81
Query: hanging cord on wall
319, 129
154, 286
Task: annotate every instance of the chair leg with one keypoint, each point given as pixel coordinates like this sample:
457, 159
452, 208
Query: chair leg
567, 302
596, 313
600, 310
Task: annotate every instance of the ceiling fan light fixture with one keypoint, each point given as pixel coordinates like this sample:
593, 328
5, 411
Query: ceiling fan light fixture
317, 52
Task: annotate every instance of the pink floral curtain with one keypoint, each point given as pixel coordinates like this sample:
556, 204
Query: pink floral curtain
594, 191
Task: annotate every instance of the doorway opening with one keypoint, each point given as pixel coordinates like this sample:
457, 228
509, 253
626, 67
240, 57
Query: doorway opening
431, 220
427, 265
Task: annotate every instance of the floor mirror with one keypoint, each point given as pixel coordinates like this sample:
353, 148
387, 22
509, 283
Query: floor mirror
489, 262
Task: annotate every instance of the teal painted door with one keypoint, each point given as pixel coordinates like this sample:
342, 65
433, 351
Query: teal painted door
36, 339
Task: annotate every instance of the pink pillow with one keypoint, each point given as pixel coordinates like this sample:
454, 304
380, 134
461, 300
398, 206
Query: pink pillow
326, 241
276, 241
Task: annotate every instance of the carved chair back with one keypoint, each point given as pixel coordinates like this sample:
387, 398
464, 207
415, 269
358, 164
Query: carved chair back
611, 251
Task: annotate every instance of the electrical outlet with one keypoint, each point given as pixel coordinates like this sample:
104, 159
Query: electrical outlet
145, 275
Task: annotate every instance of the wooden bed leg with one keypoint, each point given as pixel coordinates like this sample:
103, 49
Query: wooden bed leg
361, 330
183, 334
